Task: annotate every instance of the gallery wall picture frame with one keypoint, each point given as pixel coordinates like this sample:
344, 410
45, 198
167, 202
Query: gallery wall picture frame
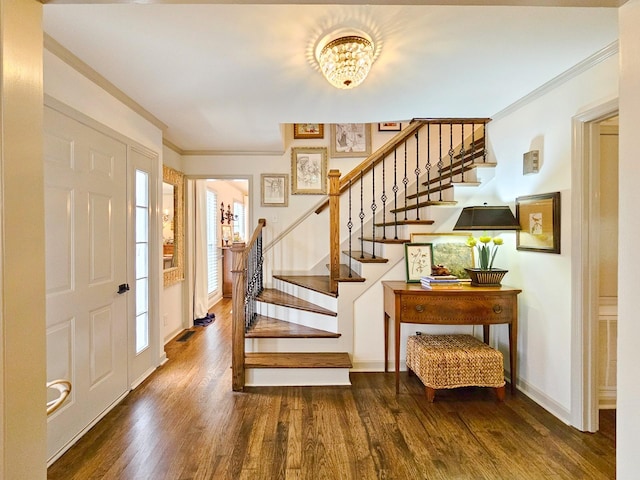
539, 219
350, 140
308, 130
418, 259
274, 190
309, 171
450, 250
389, 127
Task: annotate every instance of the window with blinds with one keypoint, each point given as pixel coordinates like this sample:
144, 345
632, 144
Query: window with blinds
239, 221
212, 241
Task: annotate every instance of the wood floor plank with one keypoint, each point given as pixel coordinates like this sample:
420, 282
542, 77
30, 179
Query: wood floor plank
185, 422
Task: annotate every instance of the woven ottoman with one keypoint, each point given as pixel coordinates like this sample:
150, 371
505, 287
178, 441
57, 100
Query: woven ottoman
452, 361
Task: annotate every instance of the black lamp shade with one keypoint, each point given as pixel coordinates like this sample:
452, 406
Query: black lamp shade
487, 218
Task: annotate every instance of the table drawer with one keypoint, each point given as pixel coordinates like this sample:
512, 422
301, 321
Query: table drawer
459, 309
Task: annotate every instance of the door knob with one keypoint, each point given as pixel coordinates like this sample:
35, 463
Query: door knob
123, 288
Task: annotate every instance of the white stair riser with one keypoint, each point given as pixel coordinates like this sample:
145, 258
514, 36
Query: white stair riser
262, 377
256, 345
301, 317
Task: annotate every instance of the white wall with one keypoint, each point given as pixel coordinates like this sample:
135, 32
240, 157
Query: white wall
628, 419
544, 339
295, 252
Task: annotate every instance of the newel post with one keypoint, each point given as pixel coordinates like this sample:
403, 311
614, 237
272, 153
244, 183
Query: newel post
239, 271
334, 229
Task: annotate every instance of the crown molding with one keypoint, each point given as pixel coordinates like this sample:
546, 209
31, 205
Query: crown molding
583, 66
57, 49
172, 146
231, 153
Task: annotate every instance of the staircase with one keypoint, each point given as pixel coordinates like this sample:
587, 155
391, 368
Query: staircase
300, 331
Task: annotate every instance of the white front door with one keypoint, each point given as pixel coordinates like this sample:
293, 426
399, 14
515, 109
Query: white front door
86, 262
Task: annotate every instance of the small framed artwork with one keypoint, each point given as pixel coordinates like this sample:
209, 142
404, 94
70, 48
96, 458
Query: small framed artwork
389, 127
308, 130
539, 218
450, 250
418, 259
350, 140
274, 190
309, 171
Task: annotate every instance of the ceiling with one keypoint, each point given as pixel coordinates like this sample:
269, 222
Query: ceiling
225, 77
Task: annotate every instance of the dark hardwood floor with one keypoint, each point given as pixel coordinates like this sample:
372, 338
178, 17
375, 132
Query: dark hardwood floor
184, 422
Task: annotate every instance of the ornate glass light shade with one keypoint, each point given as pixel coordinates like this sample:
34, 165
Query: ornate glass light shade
345, 61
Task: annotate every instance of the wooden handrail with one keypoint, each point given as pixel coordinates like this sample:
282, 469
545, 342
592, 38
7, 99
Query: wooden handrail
375, 158
64, 388
387, 149
240, 253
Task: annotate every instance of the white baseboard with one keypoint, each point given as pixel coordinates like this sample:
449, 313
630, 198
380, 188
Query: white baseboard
542, 399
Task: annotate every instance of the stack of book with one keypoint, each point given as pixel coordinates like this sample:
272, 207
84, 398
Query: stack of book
440, 281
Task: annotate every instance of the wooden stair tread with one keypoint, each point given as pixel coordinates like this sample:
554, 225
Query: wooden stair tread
365, 257
392, 241
347, 275
298, 360
267, 327
429, 203
277, 297
442, 187
406, 222
317, 283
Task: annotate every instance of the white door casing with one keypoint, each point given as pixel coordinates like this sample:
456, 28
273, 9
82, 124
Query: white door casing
86, 258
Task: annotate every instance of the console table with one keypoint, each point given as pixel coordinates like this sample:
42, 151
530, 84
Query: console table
467, 305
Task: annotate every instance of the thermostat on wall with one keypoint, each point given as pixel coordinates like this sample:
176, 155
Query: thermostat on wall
531, 162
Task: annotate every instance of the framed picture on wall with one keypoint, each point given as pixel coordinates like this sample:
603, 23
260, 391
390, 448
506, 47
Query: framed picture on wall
389, 127
309, 171
274, 189
539, 218
350, 140
308, 130
418, 258
450, 250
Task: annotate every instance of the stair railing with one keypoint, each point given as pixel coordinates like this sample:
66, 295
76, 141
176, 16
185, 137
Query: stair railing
458, 144
248, 283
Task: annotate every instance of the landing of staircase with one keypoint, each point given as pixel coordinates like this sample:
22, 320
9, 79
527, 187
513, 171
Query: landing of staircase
267, 327
298, 360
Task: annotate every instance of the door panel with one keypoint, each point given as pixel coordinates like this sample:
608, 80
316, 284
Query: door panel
86, 260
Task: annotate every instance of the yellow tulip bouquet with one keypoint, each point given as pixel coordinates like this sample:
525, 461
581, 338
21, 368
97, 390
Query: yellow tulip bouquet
486, 251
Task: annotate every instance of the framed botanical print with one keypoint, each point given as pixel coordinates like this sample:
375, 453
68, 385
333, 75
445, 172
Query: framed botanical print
539, 218
350, 140
418, 258
309, 171
274, 189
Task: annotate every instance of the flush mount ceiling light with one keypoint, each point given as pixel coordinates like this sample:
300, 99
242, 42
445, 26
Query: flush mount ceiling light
345, 58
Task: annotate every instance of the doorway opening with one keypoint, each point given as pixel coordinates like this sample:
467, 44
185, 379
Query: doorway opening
594, 264
219, 213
